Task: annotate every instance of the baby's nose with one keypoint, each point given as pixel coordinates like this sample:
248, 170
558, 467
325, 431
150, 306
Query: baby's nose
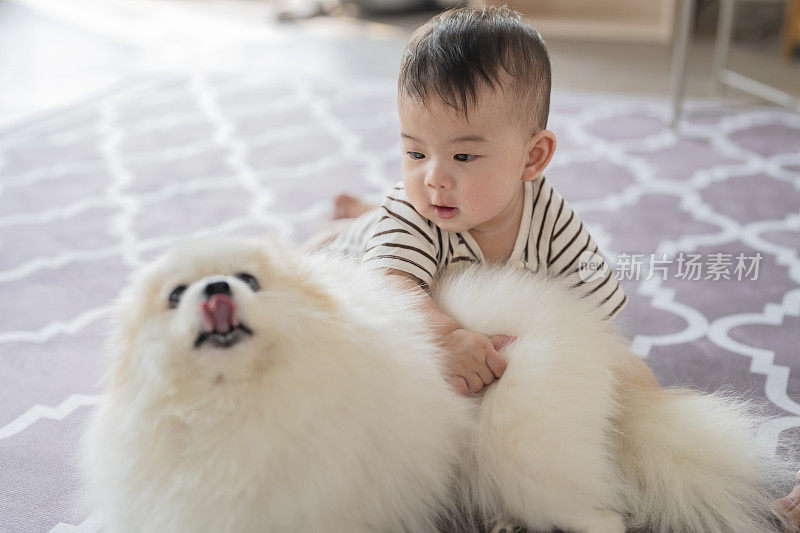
438, 178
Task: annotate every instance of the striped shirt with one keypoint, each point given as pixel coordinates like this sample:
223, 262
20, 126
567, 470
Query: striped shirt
551, 236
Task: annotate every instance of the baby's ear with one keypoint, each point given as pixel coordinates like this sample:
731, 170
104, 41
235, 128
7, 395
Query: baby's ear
541, 147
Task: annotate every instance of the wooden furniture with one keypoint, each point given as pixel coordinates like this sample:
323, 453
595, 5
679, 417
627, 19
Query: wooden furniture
612, 20
791, 29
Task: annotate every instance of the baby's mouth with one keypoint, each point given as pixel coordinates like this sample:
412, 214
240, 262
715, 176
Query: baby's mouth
444, 212
222, 327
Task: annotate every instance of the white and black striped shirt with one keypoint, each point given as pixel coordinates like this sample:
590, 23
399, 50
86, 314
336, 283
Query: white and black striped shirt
551, 236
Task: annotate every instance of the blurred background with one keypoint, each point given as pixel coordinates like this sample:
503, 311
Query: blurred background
55, 51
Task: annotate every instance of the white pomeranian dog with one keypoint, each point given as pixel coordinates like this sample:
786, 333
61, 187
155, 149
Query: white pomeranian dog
256, 388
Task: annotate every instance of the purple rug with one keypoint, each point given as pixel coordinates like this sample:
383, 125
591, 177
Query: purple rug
703, 229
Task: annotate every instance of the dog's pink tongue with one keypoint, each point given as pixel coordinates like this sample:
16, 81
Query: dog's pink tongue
219, 313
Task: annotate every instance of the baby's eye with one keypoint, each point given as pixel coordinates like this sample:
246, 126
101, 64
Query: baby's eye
415, 155
464, 157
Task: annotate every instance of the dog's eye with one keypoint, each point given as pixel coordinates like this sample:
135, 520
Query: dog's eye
175, 296
251, 281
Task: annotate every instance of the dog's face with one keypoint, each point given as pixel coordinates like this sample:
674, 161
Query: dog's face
212, 312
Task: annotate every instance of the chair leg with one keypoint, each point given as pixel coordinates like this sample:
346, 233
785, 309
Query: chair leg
678, 64
722, 45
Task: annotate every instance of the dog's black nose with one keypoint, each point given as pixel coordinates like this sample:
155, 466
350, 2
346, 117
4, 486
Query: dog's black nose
218, 287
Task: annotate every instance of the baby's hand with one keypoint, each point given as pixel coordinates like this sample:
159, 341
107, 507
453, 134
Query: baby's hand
471, 360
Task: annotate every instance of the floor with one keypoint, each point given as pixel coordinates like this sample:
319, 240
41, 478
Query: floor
53, 52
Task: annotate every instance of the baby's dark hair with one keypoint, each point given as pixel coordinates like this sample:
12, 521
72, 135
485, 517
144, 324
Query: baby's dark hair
458, 51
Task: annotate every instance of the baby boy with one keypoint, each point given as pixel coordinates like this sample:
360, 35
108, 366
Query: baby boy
473, 101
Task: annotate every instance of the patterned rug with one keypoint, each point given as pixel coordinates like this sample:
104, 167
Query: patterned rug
702, 228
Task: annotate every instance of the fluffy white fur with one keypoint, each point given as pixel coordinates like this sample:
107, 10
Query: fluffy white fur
333, 416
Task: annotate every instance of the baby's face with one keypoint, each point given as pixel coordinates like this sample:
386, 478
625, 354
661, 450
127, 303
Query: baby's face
463, 174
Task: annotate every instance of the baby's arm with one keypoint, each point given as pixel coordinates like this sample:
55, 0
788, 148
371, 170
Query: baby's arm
470, 359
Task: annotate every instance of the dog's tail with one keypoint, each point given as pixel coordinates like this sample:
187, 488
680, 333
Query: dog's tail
688, 461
